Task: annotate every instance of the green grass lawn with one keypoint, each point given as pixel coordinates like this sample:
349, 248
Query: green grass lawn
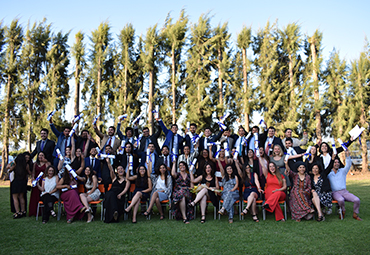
333, 236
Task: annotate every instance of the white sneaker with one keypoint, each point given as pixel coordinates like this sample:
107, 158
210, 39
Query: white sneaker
329, 211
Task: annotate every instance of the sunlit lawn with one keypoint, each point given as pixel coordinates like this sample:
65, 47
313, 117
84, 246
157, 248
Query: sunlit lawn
332, 236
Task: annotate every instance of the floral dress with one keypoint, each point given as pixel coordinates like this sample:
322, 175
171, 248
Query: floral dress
229, 197
325, 197
300, 197
182, 189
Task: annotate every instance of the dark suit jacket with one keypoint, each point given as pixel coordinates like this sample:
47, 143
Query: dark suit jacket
122, 161
96, 166
276, 140
291, 162
160, 161
213, 138
48, 150
169, 137
153, 138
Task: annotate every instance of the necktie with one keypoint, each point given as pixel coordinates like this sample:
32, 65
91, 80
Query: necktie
110, 141
42, 145
165, 160
92, 163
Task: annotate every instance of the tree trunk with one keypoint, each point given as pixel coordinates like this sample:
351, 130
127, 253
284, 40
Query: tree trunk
30, 114
125, 90
77, 91
173, 86
291, 82
150, 103
5, 152
316, 90
98, 99
220, 96
245, 88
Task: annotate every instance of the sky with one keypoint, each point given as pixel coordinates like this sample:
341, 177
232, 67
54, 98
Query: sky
344, 24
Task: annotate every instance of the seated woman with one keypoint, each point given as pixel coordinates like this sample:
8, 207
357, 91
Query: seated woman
181, 196
321, 185
49, 192
41, 164
252, 189
210, 180
204, 159
230, 193
162, 188
274, 190
114, 199
72, 204
19, 184
300, 197
143, 185
313, 159
92, 194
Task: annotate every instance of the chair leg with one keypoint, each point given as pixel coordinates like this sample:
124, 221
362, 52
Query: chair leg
286, 218
38, 208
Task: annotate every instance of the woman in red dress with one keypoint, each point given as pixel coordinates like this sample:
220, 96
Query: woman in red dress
40, 166
274, 190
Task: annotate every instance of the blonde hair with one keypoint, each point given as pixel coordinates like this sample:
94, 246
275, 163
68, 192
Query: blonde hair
281, 150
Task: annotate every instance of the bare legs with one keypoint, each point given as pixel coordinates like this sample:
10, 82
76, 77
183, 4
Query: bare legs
85, 199
135, 204
155, 199
316, 202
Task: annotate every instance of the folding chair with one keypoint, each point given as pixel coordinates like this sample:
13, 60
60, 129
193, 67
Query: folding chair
338, 208
237, 203
100, 201
41, 205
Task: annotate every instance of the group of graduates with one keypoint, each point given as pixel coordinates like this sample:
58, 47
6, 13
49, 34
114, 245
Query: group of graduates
220, 168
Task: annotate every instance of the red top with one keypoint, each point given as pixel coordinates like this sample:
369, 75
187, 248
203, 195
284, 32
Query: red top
272, 183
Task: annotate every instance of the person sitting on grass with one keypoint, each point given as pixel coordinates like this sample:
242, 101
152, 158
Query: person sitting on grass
143, 187
162, 188
337, 178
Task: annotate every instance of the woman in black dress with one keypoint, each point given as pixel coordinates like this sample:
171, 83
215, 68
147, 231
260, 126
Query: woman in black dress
115, 198
19, 185
210, 180
143, 187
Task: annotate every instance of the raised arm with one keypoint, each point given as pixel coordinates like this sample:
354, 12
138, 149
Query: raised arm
97, 131
87, 145
222, 170
211, 154
119, 133
264, 169
240, 172
112, 174
73, 148
173, 171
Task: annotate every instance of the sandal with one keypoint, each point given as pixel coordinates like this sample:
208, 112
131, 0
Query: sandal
191, 204
44, 222
186, 221
231, 221
53, 213
244, 212
321, 218
17, 215
255, 218
203, 219
221, 211
83, 209
115, 215
146, 213
128, 210
69, 221
162, 217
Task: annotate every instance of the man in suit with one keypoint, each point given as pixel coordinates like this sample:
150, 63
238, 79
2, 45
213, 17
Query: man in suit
129, 137
62, 143
146, 139
251, 140
208, 138
108, 139
191, 132
294, 154
227, 137
93, 163
124, 158
173, 140
83, 139
45, 145
150, 160
165, 158
272, 140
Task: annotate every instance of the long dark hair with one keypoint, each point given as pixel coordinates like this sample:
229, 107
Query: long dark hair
20, 166
244, 176
330, 151
142, 180
89, 177
227, 175
204, 170
158, 172
66, 178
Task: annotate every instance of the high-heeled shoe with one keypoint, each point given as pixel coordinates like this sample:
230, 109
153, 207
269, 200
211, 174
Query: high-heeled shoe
221, 211
244, 212
255, 218
92, 218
